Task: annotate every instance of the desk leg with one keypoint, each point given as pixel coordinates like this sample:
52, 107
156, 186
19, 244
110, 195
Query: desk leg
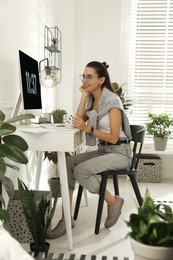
38, 169
65, 196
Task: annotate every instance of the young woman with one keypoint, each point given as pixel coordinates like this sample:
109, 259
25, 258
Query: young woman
101, 116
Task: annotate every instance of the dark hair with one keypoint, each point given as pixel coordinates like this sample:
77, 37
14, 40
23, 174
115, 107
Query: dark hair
101, 70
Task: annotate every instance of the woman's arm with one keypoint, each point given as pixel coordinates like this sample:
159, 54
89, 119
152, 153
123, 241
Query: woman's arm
115, 123
81, 107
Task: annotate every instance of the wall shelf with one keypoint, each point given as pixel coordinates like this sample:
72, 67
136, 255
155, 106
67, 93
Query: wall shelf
53, 47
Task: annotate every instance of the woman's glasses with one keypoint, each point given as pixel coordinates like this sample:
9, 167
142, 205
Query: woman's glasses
88, 77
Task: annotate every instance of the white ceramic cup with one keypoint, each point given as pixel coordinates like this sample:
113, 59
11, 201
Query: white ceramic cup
68, 121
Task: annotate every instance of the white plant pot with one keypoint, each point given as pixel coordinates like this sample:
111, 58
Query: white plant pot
160, 144
145, 252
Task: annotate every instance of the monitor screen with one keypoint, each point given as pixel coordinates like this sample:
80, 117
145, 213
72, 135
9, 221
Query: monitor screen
30, 85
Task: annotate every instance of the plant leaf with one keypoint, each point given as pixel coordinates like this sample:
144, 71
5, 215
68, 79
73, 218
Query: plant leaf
19, 118
8, 185
5, 132
2, 200
4, 215
13, 153
2, 166
16, 141
153, 224
2, 116
8, 127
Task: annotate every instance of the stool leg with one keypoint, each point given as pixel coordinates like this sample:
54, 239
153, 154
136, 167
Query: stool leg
78, 200
100, 203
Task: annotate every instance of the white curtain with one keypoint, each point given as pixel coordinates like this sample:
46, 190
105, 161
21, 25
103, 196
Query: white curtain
150, 57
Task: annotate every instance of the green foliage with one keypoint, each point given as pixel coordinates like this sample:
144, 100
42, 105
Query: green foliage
153, 224
38, 215
12, 147
54, 40
53, 156
121, 93
159, 125
58, 115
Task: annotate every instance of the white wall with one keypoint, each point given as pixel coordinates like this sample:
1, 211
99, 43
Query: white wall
91, 30
98, 35
22, 27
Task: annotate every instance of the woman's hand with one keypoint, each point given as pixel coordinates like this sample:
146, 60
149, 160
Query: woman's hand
80, 124
82, 89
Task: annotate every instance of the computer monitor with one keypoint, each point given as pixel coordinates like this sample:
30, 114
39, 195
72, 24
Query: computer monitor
30, 85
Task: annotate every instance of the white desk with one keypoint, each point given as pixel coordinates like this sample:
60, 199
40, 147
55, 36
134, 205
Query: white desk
58, 139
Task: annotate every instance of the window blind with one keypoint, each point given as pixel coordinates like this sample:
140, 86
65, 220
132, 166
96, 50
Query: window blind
150, 58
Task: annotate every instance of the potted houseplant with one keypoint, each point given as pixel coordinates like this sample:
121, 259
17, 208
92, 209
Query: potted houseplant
54, 181
54, 40
58, 115
121, 93
152, 231
54, 44
159, 128
12, 147
38, 217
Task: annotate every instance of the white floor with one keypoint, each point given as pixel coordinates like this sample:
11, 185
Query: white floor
109, 242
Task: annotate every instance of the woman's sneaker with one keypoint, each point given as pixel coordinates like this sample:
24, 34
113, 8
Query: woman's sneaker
114, 212
59, 230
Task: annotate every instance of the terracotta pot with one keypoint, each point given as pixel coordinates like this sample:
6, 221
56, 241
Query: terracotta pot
146, 252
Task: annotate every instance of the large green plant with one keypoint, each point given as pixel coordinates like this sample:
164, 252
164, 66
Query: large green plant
38, 216
12, 147
159, 125
152, 224
121, 93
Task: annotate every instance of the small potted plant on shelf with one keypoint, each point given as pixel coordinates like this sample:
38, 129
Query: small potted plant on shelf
12, 147
54, 44
152, 231
54, 40
38, 217
58, 115
159, 128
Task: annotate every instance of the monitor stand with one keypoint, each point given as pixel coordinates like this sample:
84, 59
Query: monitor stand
17, 106
37, 119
